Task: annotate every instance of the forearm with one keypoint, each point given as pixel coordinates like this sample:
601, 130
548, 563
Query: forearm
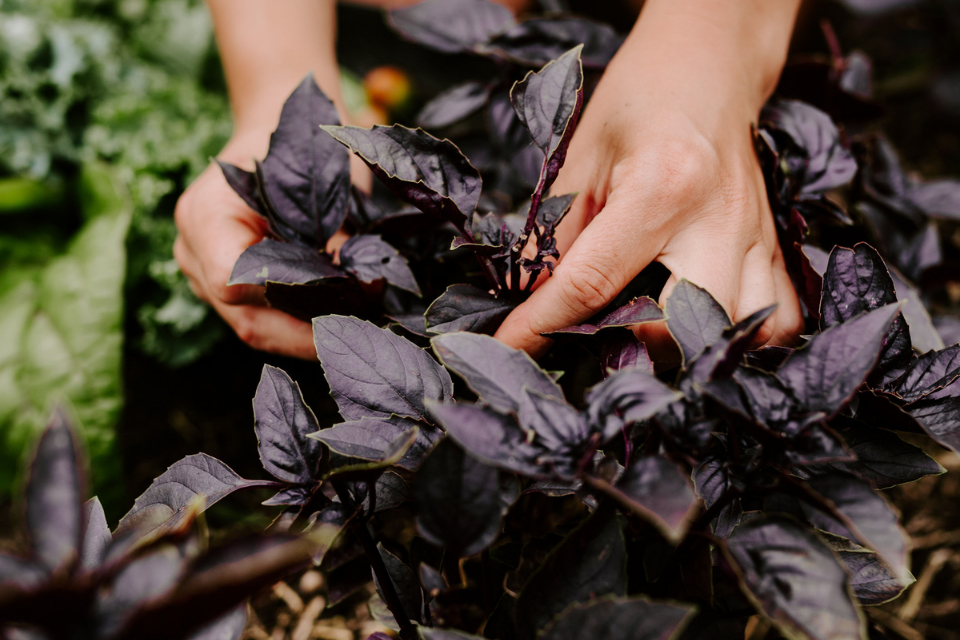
267, 47
721, 53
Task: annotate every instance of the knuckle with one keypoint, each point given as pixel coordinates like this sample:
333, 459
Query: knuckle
588, 287
763, 335
245, 326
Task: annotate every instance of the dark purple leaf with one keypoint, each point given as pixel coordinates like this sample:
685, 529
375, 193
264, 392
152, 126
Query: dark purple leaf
324, 297
374, 373
590, 562
453, 105
552, 211
369, 258
367, 438
390, 491
711, 480
166, 499
96, 535
451, 26
427, 438
548, 104
246, 184
54, 494
446, 634
295, 496
405, 583
856, 280
306, 173
924, 335
872, 581
620, 619
489, 436
630, 395
282, 421
146, 578
636, 311
431, 174
940, 418
883, 459
866, 516
537, 41
937, 198
494, 371
458, 501
828, 164
912, 250
857, 76
829, 369
556, 424
21, 572
275, 261
377, 453
795, 579
720, 359
229, 626
694, 319
464, 307
930, 372
621, 350
662, 495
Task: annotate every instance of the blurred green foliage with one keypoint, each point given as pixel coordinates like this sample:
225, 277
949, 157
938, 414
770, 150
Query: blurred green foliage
108, 109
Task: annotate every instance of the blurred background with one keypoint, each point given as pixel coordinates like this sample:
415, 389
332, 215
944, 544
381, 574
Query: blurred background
109, 108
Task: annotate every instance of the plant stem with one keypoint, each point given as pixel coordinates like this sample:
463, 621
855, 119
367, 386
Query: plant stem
488, 269
359, 529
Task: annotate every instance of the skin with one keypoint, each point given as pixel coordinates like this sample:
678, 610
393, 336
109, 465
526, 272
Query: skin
662, 159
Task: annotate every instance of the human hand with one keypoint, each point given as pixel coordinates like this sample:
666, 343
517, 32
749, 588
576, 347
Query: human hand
664, 164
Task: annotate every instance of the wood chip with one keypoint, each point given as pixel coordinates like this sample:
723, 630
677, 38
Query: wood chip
311, 581
290, 597
911, 607
895, 624
307, 619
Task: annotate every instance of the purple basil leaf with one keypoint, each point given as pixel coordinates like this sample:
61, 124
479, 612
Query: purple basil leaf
857, 77
294, 496
620, 619
590, 562
873, 520
390, 491
828, 164
695, 319
937, 198
144, 579
556, 424
444, 634
427, 438
930, 372
492, 437
367, 438
794, 578
377, 454
405, 583
636, 311
548, 104
453, 105
464, 307
451, 26
872, 581
431, 174
229, 626
856, 280
924, 335
96, 535
164, 501
339, 295
369, 258
458, 501
621, 350
940, 418
374, 373
306, 173
21, 572
769, 400
883, 459
630, 395
537, 41
275, 261
912, 250
282, 422
720, 359
662, 495
552, 211
494, 371
829, 369
53, 494
246, 184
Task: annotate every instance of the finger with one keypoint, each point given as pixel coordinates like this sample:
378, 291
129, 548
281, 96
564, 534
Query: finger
269, 329
758, 290
789, 315
224, 238
188, 267
606, 256
659, 342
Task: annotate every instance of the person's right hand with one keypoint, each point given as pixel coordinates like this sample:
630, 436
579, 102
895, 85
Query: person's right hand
215, 226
